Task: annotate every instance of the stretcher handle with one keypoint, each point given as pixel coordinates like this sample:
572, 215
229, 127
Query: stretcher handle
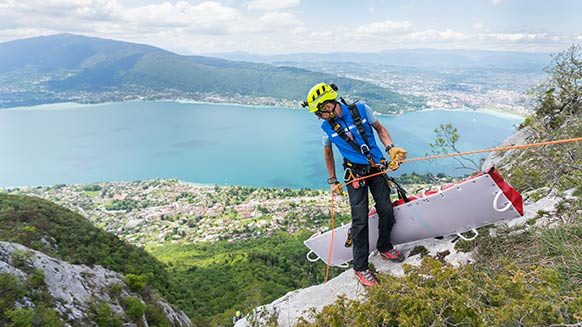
439, 191
310, 259
475, 234
496, 198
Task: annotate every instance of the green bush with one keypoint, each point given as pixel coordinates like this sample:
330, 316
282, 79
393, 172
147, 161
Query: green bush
156, 316
36, 279
115, 290
437, 294
105, 317
19, 317
46, 317
135, 283
11, 290
133, 307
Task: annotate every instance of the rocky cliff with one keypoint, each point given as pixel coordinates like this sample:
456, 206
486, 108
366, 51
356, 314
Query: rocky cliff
75, 291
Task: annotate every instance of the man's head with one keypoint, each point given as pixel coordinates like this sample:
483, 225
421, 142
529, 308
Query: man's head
321, 99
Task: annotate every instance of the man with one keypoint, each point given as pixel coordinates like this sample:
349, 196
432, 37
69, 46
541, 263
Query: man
350, 129
237, 316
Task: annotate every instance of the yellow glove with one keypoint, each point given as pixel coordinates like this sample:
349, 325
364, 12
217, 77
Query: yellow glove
397, 154
337, 189
393, 165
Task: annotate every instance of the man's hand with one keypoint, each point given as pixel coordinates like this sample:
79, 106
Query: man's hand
397, 154
337, 188
393, 165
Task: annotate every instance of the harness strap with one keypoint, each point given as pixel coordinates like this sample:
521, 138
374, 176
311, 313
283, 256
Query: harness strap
364, 148
357, 120
399, 189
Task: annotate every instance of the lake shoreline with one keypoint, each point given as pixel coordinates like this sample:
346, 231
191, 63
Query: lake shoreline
76, 105
205, 144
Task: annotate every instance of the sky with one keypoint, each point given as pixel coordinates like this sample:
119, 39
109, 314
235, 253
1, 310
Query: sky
299, 26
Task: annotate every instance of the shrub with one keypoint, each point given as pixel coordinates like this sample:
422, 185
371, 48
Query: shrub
133, 307
156, 316
20, 317
437, 294
135, 283
36, 279
11, 290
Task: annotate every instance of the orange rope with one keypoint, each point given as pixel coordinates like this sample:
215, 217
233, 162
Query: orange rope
505, 148
332, 236
523, 146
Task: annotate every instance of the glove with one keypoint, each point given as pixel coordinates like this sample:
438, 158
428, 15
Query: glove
393, 165
337, 189
397, 154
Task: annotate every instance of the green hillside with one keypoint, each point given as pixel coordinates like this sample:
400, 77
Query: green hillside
215, 280
83, 69
209, 281
58, 232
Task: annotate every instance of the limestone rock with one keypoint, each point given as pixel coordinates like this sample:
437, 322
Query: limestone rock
73, 286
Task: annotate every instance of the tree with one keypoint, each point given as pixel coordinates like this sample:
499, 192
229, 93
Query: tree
446, 140
558, 115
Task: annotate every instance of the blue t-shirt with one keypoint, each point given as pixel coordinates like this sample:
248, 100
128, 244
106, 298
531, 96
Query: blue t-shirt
346, 121
371, 120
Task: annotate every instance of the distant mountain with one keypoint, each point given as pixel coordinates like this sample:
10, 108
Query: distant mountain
67, 67
422, 58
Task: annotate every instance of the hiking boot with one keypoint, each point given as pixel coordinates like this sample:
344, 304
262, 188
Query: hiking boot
392, 255
366, 277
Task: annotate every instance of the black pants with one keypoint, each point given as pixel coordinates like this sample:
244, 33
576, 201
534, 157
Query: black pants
359, 207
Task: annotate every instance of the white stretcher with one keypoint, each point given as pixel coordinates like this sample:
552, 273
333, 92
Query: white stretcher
453, 209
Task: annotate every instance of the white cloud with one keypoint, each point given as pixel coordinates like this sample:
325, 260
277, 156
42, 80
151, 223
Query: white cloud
385, 27
514, 37
277, 19
434, 35
274, 26
272, 4
204, 16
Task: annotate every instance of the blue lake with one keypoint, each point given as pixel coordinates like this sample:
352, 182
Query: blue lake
205, 143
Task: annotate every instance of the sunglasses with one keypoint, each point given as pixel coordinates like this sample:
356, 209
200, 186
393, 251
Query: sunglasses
321, 106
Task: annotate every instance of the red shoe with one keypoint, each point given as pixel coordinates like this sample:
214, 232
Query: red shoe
366, 277
392, 255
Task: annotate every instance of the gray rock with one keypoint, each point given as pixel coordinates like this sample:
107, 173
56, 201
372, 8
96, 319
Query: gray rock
73, 286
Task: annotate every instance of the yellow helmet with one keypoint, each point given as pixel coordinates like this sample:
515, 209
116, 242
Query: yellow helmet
319, 94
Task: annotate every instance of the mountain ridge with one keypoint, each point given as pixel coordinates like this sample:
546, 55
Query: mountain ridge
76, 68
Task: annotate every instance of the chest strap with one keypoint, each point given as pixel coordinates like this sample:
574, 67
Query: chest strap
364, 148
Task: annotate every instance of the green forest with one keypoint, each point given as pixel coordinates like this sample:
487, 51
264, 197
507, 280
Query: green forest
213, 281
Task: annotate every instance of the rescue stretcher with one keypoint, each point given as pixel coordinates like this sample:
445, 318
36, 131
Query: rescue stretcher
456, 208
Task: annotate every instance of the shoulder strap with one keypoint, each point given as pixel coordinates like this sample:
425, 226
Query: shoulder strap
358, 121
340, 131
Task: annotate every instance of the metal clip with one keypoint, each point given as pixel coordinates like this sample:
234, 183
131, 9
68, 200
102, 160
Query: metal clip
365, 149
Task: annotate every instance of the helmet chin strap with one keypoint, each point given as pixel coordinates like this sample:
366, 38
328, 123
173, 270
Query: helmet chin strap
332, 111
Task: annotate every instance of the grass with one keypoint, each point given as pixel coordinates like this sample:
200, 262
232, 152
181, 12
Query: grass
92, 194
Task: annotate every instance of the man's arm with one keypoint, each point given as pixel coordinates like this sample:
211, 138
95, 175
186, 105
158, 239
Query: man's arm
329, 160
382, 133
